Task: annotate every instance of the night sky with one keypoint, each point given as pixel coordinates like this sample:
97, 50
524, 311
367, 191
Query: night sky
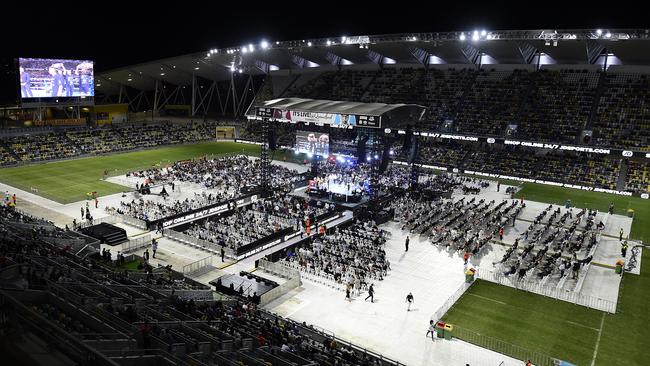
115, 35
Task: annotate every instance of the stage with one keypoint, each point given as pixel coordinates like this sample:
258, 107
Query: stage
330, 197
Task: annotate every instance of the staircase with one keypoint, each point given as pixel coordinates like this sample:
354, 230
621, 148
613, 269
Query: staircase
622, 175
602, 80
106, 233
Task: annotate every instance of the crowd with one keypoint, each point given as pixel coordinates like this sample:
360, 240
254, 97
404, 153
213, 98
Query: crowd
150, 210
354, 255
464, 225
548, 249
155, 315
220, 179
259, 220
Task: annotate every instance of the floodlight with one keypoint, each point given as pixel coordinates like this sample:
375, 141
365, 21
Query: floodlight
608, 35
265, 44
483, 32
309, 44
462, 36
599, 32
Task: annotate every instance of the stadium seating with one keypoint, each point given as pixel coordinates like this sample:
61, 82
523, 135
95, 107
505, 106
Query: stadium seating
152, 316
62, 143
486, 101
622, 118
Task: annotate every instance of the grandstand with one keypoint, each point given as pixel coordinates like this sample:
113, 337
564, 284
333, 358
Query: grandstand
501, 177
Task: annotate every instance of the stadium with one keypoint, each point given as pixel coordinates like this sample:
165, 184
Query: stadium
472, 197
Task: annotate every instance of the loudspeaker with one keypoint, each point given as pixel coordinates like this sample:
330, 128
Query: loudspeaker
271, 140
361, 148
413, 152
385, 158
406, 145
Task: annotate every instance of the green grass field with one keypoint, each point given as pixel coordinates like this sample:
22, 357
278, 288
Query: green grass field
541, 325
69, 181
533, 322
506, 318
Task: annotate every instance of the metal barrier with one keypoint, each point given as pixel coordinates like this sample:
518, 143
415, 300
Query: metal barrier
196, 295
540, 289
278, 269
141, 224
292, 275
497, 345
451, 301
198, 243
106, 219
136, 244
197, 266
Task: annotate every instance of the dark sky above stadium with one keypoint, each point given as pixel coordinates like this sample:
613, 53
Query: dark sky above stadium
115, 34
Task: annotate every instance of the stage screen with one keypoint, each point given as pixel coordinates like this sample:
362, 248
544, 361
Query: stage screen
313, 142
53, 78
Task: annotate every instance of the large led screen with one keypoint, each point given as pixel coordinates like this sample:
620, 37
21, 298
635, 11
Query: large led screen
313, 143
54, 78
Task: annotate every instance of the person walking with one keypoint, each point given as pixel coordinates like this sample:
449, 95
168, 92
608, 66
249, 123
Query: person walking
154, 246
465, 257
409, 300
611, 208
223, 254
624, 248
83, 214
501, 233
145, 255
620, 235
432, 329
406, 243
498, 186
96, 202
371, 293
347, 292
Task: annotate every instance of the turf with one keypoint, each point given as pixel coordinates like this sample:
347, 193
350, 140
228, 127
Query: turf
507, 319
625, 334
525, 320
594, 200
69, 181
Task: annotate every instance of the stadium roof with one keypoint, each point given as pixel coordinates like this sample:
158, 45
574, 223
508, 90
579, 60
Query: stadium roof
339, 113
563, 47
329, 106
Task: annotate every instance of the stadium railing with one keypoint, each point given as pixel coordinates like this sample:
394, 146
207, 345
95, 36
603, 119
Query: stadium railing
135, 244
196, 242
548, 291
106, 219
277, 269
505, 348
131, 221
197, 266
451, 301
319, 334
